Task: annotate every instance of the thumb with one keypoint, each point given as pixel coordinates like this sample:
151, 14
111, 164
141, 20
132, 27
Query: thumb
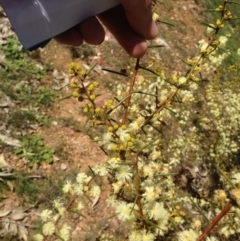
139, 16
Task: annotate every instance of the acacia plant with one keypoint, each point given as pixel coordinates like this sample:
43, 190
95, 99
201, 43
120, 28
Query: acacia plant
172, 142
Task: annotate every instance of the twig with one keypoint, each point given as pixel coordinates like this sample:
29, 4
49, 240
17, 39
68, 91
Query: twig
115, 72
214, 222
128, 100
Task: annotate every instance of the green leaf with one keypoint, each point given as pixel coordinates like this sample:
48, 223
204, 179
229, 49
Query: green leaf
18, 151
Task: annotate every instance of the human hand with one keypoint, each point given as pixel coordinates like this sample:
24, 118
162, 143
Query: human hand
131, 24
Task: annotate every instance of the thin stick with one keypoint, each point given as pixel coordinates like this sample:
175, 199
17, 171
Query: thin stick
214, 222
128, 100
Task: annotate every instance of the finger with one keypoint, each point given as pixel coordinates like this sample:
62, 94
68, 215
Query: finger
139, 16
92, 31
70, 37
116, 22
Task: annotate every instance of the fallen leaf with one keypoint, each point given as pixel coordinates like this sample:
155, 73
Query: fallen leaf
95, 201
3, 163
18, 215
11, 185
4, 213
4, 174
22, 233
10, 141
5, 101
6, 224
13, 228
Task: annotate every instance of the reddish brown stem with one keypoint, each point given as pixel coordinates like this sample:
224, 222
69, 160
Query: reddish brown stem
128, 100
71, 202
214, 222
161, 105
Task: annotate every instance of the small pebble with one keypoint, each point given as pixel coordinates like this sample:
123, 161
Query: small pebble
63, 166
